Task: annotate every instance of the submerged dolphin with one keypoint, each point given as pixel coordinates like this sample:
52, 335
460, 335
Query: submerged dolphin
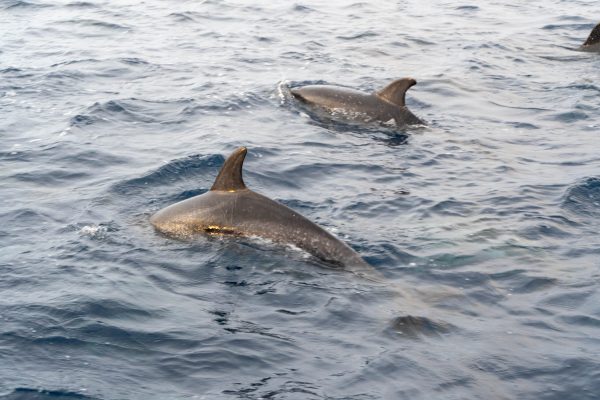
385, 105
593, 41
231, 208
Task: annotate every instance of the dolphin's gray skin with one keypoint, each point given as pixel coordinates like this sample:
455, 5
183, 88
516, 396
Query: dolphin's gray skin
593, 41
230, 208
385, 105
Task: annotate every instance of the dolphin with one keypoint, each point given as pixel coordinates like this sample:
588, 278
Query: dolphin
593, 41
386, 105
230, 208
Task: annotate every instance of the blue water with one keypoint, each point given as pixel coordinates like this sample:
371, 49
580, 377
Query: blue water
485, 224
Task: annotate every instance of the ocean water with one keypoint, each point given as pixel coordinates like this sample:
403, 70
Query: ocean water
485, 224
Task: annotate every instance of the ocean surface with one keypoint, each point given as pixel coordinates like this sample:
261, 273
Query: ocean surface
485, 224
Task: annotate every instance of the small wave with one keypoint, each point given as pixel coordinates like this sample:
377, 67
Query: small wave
97, 24
523, 125
81, 120
130, 111
452, 207
195, 16
420, 41
174, 171
570, 116
583, 197
362, 35
14, 4
89, 159
81, 315
570, 27
568, 300
72, 62
543, 230
56, 177
360, 4
534, 284
302, 8
89, 68
81, 4
26, 216
582, 320
62, 76
291, 389
585, 86
185, 16
468, 8
134, 61
413, 327
293, 176
239, 102
10, 70
248, 327
572, 18
44, 394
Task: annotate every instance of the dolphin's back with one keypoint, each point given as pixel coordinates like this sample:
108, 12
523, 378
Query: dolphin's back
333, 97
247, 213
384, 106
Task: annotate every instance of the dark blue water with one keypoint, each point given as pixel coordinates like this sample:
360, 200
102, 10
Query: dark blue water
485, 224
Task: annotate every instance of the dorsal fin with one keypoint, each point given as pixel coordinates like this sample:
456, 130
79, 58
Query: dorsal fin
230, 175
594, 36
395, 92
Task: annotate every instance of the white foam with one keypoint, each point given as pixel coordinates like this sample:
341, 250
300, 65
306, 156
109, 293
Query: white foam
93, 230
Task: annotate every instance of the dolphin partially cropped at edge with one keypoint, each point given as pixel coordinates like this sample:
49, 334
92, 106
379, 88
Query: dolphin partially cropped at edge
593, 41
230, 208
386, 105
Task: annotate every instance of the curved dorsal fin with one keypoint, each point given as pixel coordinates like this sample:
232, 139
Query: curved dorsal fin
594, 36
395, 92
230, 175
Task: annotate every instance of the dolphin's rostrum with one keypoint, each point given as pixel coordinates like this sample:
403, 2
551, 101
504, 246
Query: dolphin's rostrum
386, 105
231, 208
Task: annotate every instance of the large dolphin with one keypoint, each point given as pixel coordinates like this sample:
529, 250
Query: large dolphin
230, 208
387, 105
593, 41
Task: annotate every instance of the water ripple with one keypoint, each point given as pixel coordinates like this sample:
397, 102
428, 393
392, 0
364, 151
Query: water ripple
483, 225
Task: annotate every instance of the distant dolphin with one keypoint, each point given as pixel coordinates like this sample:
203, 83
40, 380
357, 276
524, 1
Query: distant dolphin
229, 208
593, 41
386, 105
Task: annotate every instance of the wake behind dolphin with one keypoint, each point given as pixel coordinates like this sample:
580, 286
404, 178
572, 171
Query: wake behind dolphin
593, 41
230, 208
387, 105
